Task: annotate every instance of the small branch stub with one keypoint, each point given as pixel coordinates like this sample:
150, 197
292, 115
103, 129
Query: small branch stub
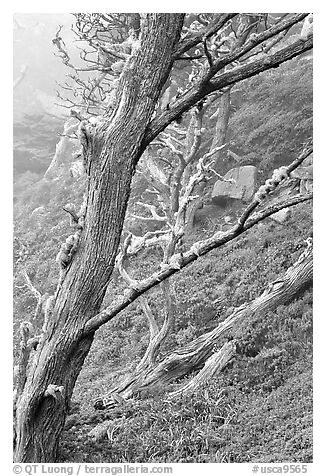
54, 391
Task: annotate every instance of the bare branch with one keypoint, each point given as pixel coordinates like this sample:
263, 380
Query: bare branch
157, 336
280, 291
207, 53
154, 175
30, 286
119, 263
273, 61
214, 364
203, 349
70, 126
153, 210
207, 32
152, 324
61, 46
200, 249
271, 184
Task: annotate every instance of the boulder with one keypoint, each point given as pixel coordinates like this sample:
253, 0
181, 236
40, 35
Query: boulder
282, 216
243, 187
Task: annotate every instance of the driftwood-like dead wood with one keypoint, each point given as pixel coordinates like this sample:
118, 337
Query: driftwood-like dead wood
201, 352
214, 364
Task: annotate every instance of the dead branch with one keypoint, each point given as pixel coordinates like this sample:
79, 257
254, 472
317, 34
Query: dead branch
219, 239
157, 335
61, 148
207, 32
61, 47
214, 364
283, 289
270, 185
38, 296
152, 324
153, 211
34, 291
201, 248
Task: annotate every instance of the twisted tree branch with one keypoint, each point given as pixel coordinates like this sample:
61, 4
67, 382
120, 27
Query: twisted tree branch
203, 247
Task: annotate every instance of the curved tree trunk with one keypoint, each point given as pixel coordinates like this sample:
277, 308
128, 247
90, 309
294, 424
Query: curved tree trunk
201, 351
112, 150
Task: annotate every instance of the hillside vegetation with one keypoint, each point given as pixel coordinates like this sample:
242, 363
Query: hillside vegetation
260, 407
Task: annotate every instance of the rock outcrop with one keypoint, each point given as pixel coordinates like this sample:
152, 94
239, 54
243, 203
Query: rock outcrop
282, 216
243, 187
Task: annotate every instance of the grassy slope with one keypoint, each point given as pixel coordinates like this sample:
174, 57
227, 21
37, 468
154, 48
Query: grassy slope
266, 406
266, 409
265, 413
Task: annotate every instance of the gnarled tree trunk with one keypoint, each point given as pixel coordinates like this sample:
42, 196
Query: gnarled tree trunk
112, 150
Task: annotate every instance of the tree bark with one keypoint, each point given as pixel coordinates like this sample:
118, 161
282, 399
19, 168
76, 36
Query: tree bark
112, 151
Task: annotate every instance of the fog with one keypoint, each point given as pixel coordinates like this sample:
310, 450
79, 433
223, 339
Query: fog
35, 60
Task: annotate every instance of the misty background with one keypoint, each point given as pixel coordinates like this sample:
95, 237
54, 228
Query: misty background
38, 120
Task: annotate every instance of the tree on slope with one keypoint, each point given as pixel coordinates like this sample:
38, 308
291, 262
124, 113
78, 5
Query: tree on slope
112, 146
